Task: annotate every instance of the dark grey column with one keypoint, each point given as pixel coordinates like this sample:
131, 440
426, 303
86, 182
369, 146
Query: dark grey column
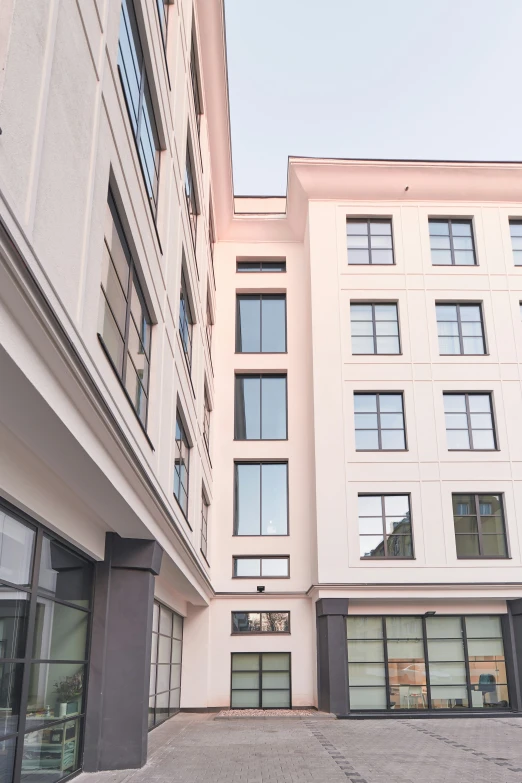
118, 688
332, 655
512, 632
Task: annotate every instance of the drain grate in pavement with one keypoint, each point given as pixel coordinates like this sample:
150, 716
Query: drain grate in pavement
342, 762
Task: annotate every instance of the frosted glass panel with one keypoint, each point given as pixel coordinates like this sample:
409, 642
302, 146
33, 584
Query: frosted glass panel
447, 673
367, 674
445, 697
365, 651
242, 699
367, 699
276, 661
404, 628
401, 650
245, 680
364, 627
276, 680
276, 699
443, 627
445, 650
245, 662
480, 627
480, 648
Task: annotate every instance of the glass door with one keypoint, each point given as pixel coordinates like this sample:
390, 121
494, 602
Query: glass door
261, 681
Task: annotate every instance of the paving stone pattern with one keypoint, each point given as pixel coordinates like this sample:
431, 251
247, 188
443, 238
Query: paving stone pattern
198, 749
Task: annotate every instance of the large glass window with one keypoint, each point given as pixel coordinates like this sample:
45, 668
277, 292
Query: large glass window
379, 422
181, 466
260, 622
451, 243
369, 241
420, 663
260, 407
163, 16
261, 499
479, 526
515, 229
271, 567
385, 526
469, 421
260, 681
375, 328
460, 329
43, 663
204, 525
131, 65
125, 324
261, 323
191, 197
194, 78
206, 419
186, 320
165, 666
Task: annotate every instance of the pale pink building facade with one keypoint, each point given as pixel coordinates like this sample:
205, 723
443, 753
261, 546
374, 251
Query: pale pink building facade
253, 452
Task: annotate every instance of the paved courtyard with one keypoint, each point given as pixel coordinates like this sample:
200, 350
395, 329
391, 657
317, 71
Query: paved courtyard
200, 749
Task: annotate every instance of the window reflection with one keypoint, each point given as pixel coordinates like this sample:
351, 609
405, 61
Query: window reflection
16, 550
261, 504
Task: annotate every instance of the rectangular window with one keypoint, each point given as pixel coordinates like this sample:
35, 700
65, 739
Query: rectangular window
191, 197
186, 320
265, 567
165, 667
210, 322
451, 243
375, 328
460, 328
206, 419
204, 524
261, 265
379, 422
479, 526
515, 229
469, 421
125, 324
260, 681
181, 466
260, 622
131, 66
261, 323
260, 407
420, 663
261, 499
369, 241
385, 526
163, 15
194, 78
211, 238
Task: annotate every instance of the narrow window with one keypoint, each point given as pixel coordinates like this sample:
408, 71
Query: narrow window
479, 526
261, 265
375, 328
260, 622
181, 466
204, 525
191, 197
163, 15
131, 66
125, 324
265, 567
379, 422
369, 241
469, 422
210, 322
211, 238
260, 407
261, 323
194, 78
461, 329
261, 499
186, 320
451, 243
165, 668
385, 526
206, 419
515, 229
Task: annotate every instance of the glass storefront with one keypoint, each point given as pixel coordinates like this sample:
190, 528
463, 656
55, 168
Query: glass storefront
45, 604
420, 663
165, 666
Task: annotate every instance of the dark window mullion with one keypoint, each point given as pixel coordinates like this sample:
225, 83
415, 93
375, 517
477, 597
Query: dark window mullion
383, 512
379, 434
261, 407
386, 665
450, 227
479, 524
426, 661
261, 324
466, 660
374, 327
369, 242
468, 418
31, 627
459, 326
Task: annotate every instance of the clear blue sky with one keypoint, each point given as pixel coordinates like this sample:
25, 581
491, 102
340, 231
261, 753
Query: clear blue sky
437, 79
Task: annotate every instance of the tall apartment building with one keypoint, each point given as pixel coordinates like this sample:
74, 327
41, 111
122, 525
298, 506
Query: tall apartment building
253, 452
